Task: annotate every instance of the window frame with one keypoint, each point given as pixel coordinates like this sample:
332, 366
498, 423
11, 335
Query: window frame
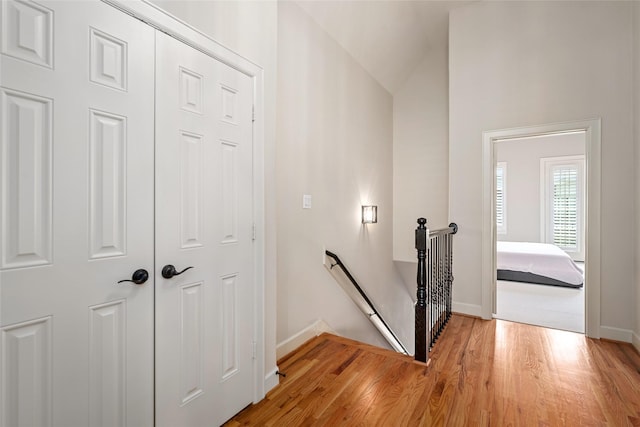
547, 166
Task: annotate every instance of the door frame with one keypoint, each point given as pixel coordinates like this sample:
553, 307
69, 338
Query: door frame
592, 130
163, 21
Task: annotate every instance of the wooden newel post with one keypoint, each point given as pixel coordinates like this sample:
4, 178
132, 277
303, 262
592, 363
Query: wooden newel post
421, 303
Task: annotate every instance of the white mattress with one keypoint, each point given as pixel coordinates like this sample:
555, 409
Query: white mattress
543, 259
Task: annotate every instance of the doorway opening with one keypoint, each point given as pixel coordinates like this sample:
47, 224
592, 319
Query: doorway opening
590, 131
540, 215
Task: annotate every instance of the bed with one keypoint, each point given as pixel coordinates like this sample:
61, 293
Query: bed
540, 263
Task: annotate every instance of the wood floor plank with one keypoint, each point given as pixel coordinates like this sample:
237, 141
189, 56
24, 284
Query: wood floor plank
360, 376
481, 373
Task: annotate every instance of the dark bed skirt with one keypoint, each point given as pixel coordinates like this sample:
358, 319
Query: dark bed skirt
519, 276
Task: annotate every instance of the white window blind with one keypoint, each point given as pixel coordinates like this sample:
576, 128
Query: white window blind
562, 184
501, 198
565, 206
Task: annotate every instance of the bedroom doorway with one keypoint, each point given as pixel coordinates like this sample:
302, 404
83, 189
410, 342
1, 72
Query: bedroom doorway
497, 218
540, 233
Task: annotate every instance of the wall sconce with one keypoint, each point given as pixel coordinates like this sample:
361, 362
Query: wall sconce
369, 214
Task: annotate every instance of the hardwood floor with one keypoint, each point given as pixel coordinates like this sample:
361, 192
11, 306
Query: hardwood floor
481, 373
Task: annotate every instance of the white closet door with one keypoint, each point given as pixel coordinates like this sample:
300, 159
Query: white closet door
205, 315
76, 209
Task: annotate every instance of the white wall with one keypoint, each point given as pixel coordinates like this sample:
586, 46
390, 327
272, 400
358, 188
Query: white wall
250, 29
523, 180
421, 152
531, 63
636, 114
334, 143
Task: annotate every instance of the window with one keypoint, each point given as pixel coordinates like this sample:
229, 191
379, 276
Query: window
563, 204
501, 198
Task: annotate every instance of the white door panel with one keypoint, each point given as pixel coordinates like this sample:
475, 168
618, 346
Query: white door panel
76, 197
204, 316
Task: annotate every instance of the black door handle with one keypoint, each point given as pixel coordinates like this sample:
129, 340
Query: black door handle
168, 271
138, 277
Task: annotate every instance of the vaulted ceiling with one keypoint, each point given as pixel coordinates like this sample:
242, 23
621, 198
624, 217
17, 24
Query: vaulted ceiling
389, 38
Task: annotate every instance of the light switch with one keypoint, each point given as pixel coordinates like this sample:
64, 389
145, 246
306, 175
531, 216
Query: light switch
306, 201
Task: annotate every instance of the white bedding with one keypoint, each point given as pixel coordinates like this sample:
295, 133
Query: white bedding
539, 258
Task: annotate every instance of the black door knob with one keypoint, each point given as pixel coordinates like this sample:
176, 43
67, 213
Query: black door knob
168, 271
138, 277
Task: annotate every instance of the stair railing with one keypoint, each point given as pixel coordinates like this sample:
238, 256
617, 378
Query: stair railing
434, 279
367, 307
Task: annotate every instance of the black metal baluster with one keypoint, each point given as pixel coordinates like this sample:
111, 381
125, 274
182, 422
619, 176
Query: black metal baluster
440, 266
433, 299
450, 277
440, 285
433, 283
421, 294
433, 306
443, 281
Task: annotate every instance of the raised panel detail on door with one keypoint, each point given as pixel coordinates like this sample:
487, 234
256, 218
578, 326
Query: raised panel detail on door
108, 60
229, 202
26, 180
27, 32
107, 350
229, 326
204, 217
108, 183
76, 215
26, 374
191, 189
229, 105
191, 345
190, 91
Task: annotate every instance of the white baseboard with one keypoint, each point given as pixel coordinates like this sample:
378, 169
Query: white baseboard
287, 346
615, 334
271, 380
468, 309
635, 340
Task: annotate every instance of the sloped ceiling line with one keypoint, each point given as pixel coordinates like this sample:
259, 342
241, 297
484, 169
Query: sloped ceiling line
387, 38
